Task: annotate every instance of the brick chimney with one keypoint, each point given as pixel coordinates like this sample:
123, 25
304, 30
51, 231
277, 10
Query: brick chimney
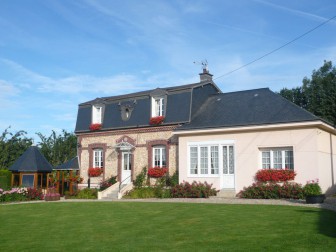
205, 76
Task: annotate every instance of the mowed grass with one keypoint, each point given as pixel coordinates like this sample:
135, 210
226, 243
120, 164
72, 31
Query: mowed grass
139, 226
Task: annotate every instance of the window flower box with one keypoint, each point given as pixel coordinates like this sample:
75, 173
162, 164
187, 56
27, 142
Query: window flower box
95, 126
156, 120
52, 195
275, 175
95, 172
157, 172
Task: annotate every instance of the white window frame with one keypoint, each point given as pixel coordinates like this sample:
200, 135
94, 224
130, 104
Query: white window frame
158, 108
273, 152
212, 171
160, 151
98, 158
97, 112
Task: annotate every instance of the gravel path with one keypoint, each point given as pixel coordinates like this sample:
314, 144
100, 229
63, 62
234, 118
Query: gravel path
329, 203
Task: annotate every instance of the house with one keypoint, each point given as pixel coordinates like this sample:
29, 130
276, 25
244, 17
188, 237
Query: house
207, 135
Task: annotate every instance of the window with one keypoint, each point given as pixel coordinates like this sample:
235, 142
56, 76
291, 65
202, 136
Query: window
97, 114
159, 156
277, 158
158, 107
98, 158
208, 159
27, 180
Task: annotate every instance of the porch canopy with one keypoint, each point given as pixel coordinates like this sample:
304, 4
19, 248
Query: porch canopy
30, 169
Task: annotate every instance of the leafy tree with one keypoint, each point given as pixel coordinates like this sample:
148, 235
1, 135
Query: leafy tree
318, 94
12, 146
58, 149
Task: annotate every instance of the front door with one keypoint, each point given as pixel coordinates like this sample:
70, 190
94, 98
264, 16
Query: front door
126, 167
228, 177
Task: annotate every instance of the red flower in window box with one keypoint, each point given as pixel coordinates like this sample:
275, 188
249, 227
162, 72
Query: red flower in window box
95, 171
157, 172
156, 120
95, 126
275, 175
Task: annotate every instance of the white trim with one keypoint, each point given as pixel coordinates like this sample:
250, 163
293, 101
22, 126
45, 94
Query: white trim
97, 113
161, 107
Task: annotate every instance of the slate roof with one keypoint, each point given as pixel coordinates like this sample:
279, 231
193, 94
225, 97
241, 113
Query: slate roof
179, 106
31, 160
71, 164
246, 108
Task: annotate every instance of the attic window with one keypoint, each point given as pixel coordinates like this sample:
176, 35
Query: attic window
97, 111
158, 106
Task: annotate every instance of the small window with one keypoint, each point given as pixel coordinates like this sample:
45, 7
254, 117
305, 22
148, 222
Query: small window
98, 158
158, 107
159, 156
277, 158
97, 112
27, 180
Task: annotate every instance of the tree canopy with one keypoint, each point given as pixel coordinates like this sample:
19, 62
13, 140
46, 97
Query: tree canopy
317, 94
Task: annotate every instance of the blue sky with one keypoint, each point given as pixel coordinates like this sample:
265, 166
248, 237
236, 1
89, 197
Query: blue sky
57, 54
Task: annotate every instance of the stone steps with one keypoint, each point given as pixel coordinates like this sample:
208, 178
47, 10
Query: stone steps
226, 193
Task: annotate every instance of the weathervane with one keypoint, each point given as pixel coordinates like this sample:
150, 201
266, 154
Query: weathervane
204, 64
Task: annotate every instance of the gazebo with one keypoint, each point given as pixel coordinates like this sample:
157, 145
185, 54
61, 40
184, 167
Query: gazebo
65, 174
31, 169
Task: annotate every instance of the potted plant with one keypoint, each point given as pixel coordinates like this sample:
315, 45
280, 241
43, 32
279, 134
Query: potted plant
313, 192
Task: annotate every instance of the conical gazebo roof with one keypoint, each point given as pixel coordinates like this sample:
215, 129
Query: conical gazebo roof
31, 160
71, 164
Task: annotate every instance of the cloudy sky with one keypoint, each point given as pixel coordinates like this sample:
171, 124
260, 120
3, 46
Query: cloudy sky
57, 54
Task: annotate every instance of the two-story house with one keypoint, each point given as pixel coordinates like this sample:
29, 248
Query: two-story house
207, 135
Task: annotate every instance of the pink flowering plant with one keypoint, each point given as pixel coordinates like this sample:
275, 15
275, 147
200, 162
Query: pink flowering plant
312, 188
15, 194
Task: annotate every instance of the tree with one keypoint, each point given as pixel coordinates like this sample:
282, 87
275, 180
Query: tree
12, 146
318, 94
58, 149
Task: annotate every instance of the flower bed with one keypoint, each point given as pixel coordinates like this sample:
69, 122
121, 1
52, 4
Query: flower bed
157, 172
20, 194
52, 195
107, 183
193, 190
156, 120
275, 175
95, 171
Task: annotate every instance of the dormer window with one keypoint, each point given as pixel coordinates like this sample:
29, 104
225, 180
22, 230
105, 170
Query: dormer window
97, 111
158, 108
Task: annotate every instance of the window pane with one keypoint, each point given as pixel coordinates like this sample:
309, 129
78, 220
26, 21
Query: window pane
231, 160
214, 160
163, 154
266, 160
204, 160
225, 160
27, 180
277, 159
98, 158
289, 162
193, 160
159, 156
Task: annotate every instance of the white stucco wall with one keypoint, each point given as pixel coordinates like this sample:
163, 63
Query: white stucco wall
311, 148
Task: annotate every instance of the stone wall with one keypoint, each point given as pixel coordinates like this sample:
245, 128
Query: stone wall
140, 138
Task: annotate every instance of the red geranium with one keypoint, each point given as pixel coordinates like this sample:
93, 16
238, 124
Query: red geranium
156, 120
95, 171
157, 172
95, 126
275, 175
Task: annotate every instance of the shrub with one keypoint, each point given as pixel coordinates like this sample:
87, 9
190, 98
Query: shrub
107, 183
34, 194
147, 192
172, 180
274, 175
193, 190
5, 179
272, 191
87, 193
141, 178
15, 194
312, 188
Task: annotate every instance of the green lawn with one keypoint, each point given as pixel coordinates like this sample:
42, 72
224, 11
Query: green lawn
139, 226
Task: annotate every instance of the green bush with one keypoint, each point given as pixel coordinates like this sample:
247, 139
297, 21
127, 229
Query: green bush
312, 188
148, 192
172, 180
5, 179
87, 193
141, 178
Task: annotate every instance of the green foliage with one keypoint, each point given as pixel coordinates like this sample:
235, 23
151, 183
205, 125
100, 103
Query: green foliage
12, 146
5, 179
141, 179
172, 180
318, 94
312, 188
58, 149
86, 193
148, 192
107, 183
193, 190
272, 191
